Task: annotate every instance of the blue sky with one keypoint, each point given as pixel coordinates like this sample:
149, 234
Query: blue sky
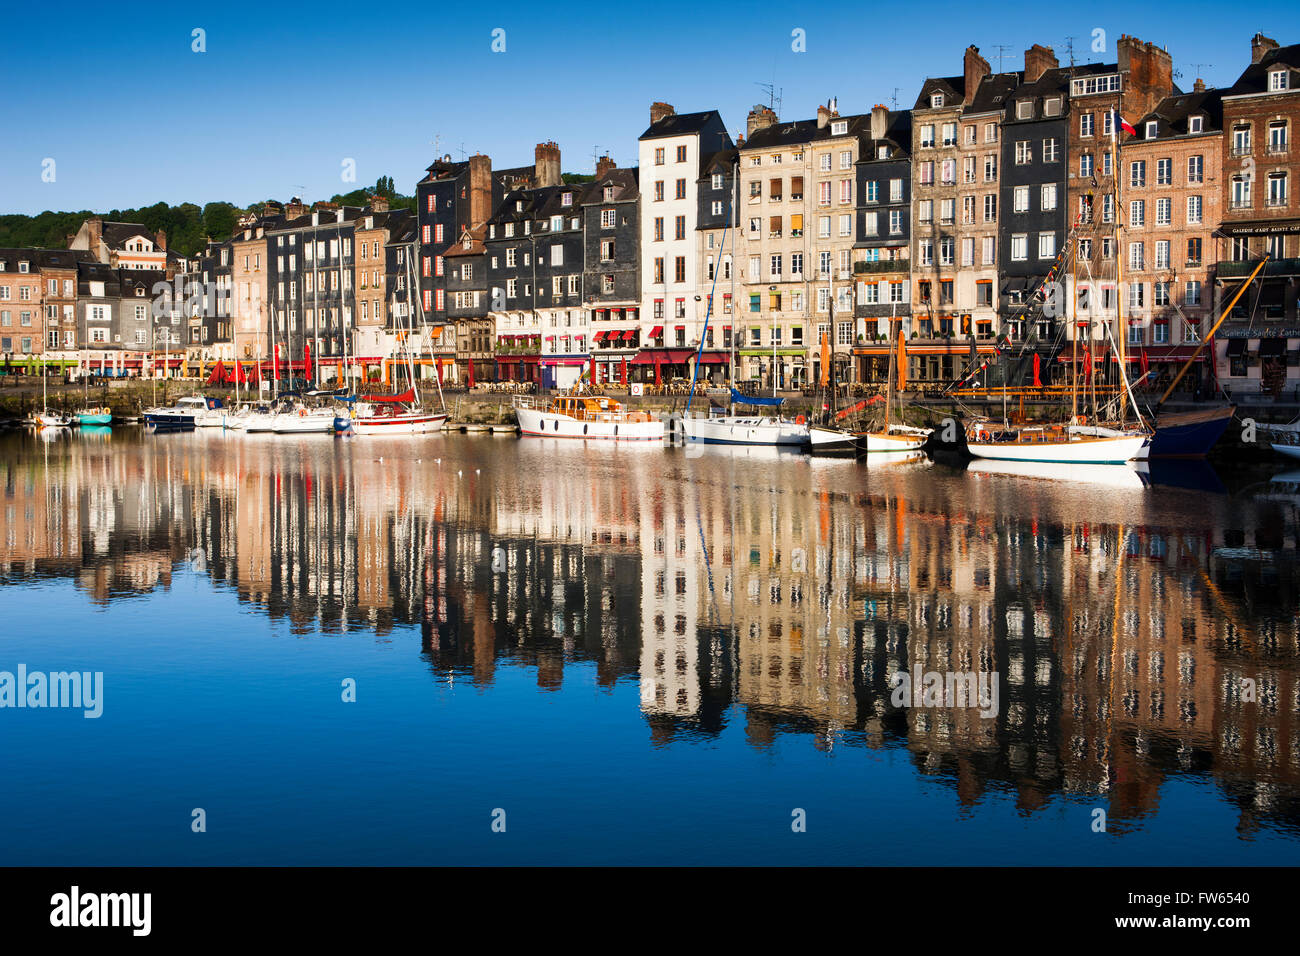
285, 93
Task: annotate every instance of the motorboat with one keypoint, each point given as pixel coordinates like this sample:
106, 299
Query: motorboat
594, 417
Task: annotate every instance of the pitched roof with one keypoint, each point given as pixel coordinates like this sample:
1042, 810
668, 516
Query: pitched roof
1254, 79
624, 182
806, 131
116, 233
1172, 113
680, 124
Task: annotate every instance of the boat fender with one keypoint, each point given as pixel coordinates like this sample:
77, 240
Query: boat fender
302, 413
1083, 419
798, 419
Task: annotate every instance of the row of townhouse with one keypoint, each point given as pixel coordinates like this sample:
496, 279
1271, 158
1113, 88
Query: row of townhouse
1048, 208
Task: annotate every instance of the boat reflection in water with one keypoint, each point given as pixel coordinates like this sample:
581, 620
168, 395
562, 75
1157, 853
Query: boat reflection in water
1112, 476
633, 615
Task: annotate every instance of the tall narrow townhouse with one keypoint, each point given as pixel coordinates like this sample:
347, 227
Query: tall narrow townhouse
375, 285
534, 271
22, 323
250, 305
716, 223
882, 264
611, 276
1033, 226
468, 308
1259, 345
945, 172
1100, 96
798, 211
1173, 207
671, 151
58, 268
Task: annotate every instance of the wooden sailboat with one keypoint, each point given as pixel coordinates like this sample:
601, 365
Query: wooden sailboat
895, 437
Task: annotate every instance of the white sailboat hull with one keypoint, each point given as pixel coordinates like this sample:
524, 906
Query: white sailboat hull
416, 424
877, 442
1101, 450
548, 424
740, 430
292, 424
1108, 475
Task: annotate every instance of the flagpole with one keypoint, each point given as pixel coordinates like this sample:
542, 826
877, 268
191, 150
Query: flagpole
1122, 338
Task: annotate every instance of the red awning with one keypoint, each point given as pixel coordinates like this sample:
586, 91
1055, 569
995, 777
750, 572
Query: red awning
599, 336
657, 331
713, 358
629, 335
663, 356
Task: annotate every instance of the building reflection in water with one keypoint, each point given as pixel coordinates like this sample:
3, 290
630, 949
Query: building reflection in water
1138, 635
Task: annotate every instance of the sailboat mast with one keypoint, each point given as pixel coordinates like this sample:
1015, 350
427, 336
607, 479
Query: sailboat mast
1122, 335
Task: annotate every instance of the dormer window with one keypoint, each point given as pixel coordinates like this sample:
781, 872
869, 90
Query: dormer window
519, 205
1024, 109
609, 193
1278, 80
839, 128
936, 100
23, 266
1153, 128
882, 152
566, 199
1196, 124
1052, 106
139, 291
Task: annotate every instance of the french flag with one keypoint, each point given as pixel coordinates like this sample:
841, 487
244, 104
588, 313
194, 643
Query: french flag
1126, 127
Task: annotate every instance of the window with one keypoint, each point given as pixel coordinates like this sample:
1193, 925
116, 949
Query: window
607, 219
1277, 192
1024, 154
1136, 255
1164, 211
895, 222
927, 137
990, 208
1192, 293
1137, 214
989, 251
1051, 151
1020, 199
1277, 136
1024, 109
895, 190
1194, 252
1278, 80
925, 211
1085, 165
1046, 245
1162, 255
1085, 124
925, 252
1240, 139
950, 134
1137, 173
1048, 197
872, 191
1193, 210
990, 168
681, 154
1195, 169
1020, 247
1240, 192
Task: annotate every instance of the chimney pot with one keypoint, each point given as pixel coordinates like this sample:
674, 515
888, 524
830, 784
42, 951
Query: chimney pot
659, 111
1260, 46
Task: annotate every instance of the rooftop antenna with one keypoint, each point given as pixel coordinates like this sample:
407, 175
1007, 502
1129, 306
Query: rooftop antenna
1069, 50
895, 97
1002, 52
773, 96
462, 152
1197, 68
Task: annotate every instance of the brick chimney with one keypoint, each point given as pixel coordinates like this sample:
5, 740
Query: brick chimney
824, 114
162, 239
480, 189
547, 166
1260, 46
879, 121
660, 110
1038, 60
1198, 86
974, 69
379, 204
295, 208
1150, 75
604, 165
760, 117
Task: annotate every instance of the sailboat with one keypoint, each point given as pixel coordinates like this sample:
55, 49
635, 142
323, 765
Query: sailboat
733, 429
47, 418
403, 413
896, 437
1075, 440
1192, 434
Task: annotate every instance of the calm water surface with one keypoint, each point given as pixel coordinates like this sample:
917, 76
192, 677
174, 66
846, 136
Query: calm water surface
639, 654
